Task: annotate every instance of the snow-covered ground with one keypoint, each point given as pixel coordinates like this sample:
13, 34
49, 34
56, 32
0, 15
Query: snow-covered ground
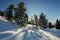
53, 34
9, 31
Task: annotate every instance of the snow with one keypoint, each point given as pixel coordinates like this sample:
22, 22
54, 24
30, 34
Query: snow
51, 35
54, 32
25, 34
10, 31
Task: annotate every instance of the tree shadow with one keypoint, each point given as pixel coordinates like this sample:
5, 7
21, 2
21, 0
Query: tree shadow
34, 36
5, 26
41, 35
5, 35
54, 32
27, 36
10, 37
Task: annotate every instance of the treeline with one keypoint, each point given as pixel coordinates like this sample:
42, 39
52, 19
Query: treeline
42, 22
19, 15
56, 25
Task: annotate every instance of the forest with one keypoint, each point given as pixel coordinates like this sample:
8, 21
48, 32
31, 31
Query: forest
19, 16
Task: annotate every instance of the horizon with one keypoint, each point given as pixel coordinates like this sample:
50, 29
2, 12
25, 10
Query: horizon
49, 7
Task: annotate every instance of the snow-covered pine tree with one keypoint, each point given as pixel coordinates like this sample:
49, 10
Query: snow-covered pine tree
20, 16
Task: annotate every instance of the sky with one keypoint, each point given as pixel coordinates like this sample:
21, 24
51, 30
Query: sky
51, 8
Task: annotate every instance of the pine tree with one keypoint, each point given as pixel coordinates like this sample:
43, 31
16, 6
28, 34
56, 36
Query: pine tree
20, 15
1, 13
57, 24
50, 25
42, 20
9, 14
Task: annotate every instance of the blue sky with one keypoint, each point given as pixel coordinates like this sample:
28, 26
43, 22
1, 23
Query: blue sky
51, 8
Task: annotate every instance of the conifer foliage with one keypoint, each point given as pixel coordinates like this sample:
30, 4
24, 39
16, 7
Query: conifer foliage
9, 14
57, 24
21, 17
